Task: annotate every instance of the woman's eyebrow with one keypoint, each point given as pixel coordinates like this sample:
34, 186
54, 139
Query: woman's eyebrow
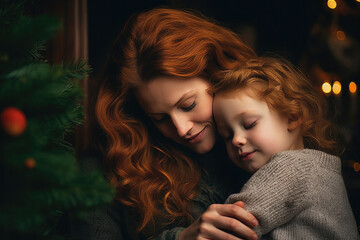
182, 98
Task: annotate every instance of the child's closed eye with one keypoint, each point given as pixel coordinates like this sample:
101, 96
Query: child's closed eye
249, 125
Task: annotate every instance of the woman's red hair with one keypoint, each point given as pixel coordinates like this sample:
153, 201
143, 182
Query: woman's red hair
289, 92
148, 172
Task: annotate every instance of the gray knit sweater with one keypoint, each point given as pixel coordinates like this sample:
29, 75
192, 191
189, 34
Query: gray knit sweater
299, 195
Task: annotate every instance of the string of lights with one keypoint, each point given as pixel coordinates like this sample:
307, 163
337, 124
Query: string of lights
335, 86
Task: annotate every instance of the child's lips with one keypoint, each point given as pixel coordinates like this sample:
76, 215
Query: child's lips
246, 156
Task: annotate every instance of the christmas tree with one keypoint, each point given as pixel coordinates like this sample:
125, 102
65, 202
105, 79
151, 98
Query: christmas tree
39, 105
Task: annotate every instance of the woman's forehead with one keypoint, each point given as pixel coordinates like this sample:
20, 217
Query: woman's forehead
171, 86
164, 92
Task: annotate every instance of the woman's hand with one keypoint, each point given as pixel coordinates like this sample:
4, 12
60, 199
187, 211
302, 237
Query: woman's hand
220, 219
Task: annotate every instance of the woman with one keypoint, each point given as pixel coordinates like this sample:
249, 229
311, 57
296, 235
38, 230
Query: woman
155, 110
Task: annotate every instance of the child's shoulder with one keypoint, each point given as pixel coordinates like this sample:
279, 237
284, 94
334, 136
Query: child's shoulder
309, 157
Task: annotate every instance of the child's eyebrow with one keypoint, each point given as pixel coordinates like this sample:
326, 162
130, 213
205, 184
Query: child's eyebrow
247, 114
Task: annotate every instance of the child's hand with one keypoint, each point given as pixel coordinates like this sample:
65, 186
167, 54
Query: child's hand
240, 204
219, 220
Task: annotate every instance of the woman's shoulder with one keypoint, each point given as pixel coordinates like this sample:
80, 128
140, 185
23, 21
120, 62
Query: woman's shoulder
104, 222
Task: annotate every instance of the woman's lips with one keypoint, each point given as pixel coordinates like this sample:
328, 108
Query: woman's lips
197, 136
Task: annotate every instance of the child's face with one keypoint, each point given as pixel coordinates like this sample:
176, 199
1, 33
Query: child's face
252, 131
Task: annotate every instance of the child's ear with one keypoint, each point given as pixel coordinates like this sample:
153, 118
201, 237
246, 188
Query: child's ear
293, 122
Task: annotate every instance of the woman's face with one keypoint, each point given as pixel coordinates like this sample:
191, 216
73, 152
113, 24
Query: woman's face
181, 109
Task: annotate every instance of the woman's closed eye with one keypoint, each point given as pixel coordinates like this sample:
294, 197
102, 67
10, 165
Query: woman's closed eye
189, 107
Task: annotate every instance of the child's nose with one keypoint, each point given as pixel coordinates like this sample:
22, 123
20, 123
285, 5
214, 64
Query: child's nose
238, 140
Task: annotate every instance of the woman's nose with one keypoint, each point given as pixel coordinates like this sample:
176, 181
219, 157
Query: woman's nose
182, 124
238, 140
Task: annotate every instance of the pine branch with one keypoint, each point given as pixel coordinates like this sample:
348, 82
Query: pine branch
39, 173
21, 37
43, 87
35, 53
77, 69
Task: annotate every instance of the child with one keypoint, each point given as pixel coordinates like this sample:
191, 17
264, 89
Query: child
273, 123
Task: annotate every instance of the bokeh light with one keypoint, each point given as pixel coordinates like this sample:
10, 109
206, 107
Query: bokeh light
326, 87
331, 4
336, 88
352, 86
340, 35
356, 167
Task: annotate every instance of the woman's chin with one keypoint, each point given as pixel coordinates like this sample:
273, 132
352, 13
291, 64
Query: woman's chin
206, 143
204, 147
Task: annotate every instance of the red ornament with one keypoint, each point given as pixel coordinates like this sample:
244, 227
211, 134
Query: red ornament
13, 121
30, 163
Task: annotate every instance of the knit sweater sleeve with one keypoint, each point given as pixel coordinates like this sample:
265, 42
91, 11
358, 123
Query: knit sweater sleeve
276, 192
99, 224
170, 234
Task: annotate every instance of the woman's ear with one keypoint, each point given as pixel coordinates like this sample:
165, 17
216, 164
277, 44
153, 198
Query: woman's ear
294, 122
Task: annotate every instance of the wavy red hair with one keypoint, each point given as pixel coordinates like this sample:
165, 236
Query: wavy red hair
289, 92
149, 173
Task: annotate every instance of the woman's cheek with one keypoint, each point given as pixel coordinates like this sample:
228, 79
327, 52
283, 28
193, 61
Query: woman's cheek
166, 131
205, 109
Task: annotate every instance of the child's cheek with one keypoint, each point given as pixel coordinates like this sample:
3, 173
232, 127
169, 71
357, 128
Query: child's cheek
266, 142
